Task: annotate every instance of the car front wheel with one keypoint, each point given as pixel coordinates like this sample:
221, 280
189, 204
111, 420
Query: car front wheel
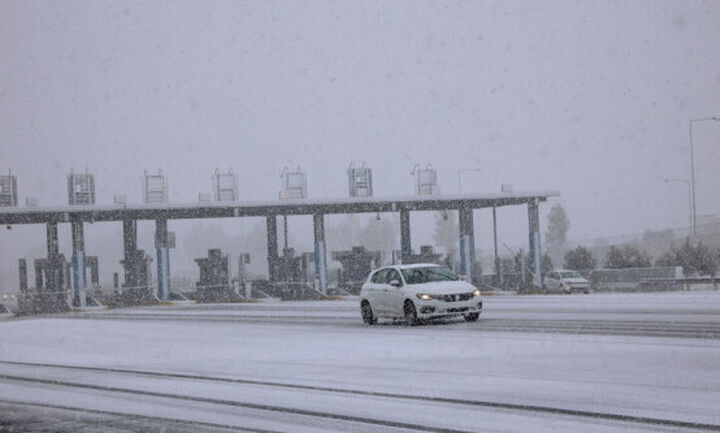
367, 313
472, 317
410, 312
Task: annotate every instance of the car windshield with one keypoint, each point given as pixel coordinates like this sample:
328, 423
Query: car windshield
428, 275
570, 274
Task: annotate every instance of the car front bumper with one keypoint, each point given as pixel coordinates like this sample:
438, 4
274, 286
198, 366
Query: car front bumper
427, 309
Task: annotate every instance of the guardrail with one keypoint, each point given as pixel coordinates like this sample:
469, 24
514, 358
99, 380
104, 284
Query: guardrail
686, 282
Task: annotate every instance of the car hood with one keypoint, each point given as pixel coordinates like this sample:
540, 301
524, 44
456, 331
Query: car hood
441, 287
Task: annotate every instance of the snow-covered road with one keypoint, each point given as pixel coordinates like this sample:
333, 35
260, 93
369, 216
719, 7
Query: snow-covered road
601, 362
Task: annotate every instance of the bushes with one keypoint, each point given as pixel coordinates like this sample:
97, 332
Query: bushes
694, 259
579, 259
626, 257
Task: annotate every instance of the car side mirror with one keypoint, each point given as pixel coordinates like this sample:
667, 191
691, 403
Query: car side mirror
395, 283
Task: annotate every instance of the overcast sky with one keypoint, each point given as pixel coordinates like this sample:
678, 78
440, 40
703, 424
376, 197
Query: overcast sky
589, 98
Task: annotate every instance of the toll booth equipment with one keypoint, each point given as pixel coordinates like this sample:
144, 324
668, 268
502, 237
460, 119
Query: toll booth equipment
155, 187
225, 186
360, 181
92, 263
243, 261
51, 280
137, 270
81, 189
214, 284
426, 181
356, 264
294, 184
308, 265
288, 267
8, 190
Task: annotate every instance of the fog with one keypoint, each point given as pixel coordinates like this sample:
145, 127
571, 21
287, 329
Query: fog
591, 99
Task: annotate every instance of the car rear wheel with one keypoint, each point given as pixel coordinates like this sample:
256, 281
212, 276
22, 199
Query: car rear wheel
410, 312
367, 313
472, 317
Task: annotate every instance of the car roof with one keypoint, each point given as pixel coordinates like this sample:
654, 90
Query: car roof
411, 266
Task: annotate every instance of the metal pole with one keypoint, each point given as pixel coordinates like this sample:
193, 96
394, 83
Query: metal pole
163, 259
467, 242
405, 242
272, 246
497, 263
690, 201
320, 254
285, 228
692, 173
692, 182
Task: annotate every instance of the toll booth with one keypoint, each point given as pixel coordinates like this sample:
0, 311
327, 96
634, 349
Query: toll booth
427, 255
81, 189
8, 190
360, 181
52, 283
214, 284
291, 277
356, 264
288, 267
136, 289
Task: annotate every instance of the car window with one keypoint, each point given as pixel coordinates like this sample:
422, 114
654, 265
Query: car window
379, 277
392, 274
428, 275
571, 275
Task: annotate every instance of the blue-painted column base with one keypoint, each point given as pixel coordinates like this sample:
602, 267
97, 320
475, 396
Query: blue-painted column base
163, 273
79, 279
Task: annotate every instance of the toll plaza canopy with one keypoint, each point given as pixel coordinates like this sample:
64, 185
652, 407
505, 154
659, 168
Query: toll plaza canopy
95, 213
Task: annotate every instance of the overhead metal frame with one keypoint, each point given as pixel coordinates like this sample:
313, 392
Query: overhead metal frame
154, 211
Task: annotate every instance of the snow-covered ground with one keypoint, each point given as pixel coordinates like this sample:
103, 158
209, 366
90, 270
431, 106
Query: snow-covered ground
574, 365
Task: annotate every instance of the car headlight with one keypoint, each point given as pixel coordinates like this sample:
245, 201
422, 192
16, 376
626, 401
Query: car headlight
424, 296
476, 292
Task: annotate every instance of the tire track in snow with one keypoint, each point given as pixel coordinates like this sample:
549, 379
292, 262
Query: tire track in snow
136, 417
706, 330
443, 400
234, 403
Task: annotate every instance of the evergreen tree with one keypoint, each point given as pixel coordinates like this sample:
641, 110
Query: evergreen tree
557, 228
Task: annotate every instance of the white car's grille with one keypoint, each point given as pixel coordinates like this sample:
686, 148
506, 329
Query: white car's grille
455, 297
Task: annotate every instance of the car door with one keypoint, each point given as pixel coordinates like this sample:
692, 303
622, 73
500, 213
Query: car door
393, 296
375, 289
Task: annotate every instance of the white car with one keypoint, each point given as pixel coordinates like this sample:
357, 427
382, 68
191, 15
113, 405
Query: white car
566, 282
415, 292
